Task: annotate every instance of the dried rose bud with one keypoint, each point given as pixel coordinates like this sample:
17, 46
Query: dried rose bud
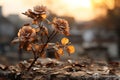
27, 33
39, 13
61, 25
40, 9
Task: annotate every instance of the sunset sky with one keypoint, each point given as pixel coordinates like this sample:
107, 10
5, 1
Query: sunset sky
82, 10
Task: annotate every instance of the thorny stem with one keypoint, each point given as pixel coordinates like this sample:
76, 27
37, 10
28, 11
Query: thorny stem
51, 36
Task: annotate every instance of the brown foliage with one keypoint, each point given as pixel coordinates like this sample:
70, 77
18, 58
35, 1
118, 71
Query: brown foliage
38, 39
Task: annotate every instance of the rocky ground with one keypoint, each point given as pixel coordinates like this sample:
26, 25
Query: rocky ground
52, 69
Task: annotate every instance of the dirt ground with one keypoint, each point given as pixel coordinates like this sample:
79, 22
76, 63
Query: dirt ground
83, 68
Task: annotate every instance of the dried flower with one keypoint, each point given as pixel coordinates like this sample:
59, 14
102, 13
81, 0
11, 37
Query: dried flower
39, 13
38, 41
40, 9
61, 25
27, 33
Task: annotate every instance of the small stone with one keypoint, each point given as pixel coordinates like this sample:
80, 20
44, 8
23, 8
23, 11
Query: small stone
3, 67
89, 72
35, 68
78, 74
96, 75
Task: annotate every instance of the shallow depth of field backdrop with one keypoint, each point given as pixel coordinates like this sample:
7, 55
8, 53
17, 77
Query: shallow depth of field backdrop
95, 26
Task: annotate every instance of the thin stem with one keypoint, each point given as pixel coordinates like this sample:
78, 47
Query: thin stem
35, 59
42, 39
34, 53
48, 21
48, 40
53, 36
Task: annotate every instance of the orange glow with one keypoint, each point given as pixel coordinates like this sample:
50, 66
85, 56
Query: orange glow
108, 3
82, 10
77, 3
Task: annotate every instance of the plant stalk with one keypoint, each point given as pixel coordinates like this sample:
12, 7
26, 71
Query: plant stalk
48, 40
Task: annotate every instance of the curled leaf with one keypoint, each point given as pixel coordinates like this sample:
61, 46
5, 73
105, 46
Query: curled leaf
16, 40
64, 41
70, 49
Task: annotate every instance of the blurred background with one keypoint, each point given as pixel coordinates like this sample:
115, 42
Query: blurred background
95, 25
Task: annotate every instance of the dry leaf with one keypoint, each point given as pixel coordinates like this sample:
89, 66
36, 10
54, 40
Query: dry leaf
57, 56
22, 66
16, 40
50, 64
60, 51
43, 54
64, 41
70, 49
3, 67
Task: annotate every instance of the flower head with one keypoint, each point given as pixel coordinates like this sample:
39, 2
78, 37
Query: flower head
27, 33
39, 13
61, 25
40, 9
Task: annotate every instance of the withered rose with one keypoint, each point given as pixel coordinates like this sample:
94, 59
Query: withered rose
61, 25
40, 9
27, 33
39, 13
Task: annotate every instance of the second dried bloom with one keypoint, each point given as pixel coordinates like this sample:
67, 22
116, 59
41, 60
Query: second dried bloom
61, 25
27, 33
